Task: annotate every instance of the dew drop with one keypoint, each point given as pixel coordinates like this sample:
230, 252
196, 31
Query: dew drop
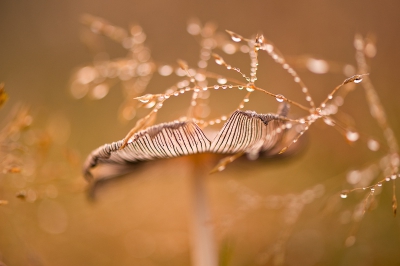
230, 86
302, 120
182, 84
240, 87
260, 39
370, 50
180, 72
235, 37
150, 104
165, 70
221, 168
229, 48
279, 98
355, 79
330, 97
353, 177
329, 121
219, 60
393, 177
288, 125
373, 145
86, 75
269, 48
352, 136
244, 49
79, 90
176, 93
249, 89
317, 66
100, 91
305, 90
216, 87
145, 98
246, 100
387, 179
379, 184
221, 80
343, 195
193, 28
202, 64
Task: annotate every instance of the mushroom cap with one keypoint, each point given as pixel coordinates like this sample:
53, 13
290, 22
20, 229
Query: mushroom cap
244, 132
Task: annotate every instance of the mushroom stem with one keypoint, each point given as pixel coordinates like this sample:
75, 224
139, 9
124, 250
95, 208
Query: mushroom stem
203, 243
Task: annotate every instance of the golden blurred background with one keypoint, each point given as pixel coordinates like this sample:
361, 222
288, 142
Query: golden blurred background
265, 212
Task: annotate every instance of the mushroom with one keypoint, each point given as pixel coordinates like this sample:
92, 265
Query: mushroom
245, 132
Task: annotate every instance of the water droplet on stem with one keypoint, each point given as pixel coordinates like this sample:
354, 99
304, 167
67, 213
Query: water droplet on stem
235, 37
358, 79
145, 98
280, 98
343, 195
352, 136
